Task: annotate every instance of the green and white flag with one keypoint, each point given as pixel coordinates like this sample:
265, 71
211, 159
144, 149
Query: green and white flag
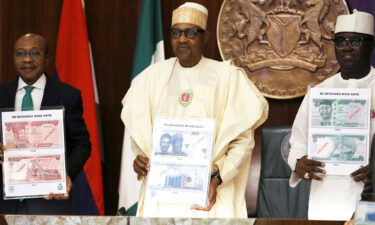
149, 49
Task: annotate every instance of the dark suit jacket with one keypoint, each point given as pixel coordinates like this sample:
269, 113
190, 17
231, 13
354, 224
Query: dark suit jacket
368, 193
78, 146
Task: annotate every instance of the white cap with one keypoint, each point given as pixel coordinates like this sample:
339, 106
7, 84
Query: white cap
192, 13
358, 22
195, 6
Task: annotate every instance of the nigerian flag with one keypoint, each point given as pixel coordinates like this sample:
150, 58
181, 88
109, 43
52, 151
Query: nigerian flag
149, 49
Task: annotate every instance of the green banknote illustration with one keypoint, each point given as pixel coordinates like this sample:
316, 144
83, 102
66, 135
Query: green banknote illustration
338, 148
344, 113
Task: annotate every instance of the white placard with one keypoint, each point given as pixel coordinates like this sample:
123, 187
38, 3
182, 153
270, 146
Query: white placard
34, 159
339, 128
181, 161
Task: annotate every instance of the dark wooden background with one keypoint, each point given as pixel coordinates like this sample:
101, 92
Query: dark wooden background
112, 27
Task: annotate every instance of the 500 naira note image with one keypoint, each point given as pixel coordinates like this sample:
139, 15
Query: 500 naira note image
338, 148
344, 113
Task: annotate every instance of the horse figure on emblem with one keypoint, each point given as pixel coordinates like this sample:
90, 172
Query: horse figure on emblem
310, 23
257, 22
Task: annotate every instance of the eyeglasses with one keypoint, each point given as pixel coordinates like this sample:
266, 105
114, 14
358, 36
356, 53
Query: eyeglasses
32, 54
189, 33
353, 42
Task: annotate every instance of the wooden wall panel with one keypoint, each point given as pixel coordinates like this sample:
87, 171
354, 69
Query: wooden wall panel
21, 16
2, 5
112, 27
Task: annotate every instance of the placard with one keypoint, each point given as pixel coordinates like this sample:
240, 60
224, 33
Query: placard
34, 159
181, 161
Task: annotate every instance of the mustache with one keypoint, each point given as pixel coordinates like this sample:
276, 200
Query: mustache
28, 67
183, 45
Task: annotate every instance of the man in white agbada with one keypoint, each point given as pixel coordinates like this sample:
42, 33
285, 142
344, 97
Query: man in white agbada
192, 86
335, 197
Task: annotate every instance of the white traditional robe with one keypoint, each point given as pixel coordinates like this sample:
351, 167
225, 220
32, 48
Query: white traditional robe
335, 197
220, 91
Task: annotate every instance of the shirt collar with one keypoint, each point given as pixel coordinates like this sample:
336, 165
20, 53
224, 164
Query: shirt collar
364, 79
199, 64
39, 84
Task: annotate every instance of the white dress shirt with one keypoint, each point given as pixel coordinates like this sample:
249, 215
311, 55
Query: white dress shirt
335, 197
36, 93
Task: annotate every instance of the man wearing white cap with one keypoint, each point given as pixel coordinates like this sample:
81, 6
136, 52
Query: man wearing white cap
335, 197
194, 87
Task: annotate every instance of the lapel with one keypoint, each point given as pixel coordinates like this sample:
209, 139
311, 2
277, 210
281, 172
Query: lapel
51, 93
9, 100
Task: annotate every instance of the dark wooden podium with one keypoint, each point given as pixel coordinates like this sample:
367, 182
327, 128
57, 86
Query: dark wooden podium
2, 220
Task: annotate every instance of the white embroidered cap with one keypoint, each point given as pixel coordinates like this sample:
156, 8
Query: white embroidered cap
192, 13
358, 22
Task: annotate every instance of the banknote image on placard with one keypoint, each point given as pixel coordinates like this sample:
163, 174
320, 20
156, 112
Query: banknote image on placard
339, 148
339, 113
365, 213
184, 177
33, 134
39, 168
182, 183
183, 143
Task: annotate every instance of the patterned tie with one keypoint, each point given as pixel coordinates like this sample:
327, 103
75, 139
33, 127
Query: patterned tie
27, 101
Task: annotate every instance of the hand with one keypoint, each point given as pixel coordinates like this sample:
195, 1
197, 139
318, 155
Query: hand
2, 148
360, 174
53, 196
309, 167
211, 195
349, 222
141, 165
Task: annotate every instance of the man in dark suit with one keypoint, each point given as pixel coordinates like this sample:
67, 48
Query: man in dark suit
31, 53
368, 193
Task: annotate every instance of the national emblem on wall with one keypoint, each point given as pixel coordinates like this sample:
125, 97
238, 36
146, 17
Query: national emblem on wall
283, 45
